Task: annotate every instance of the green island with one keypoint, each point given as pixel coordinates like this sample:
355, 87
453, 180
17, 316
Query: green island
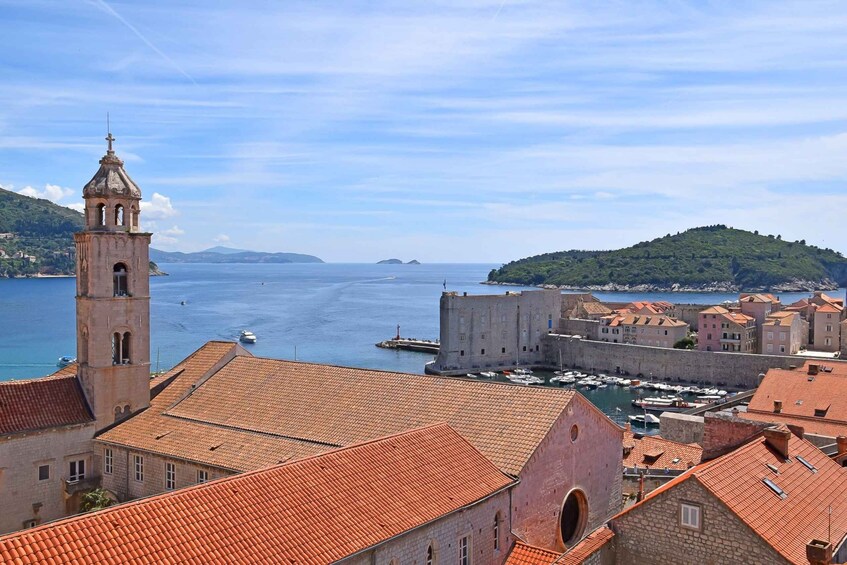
712, 258
36, 237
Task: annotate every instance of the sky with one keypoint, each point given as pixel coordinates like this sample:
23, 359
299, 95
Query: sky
444, 131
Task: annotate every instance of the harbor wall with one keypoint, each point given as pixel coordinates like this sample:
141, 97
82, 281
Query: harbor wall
681, 428
738, 370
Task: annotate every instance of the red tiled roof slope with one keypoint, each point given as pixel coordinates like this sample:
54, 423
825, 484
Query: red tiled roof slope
312, 511
813, 426
588, 546
824, 390
37, 404
299, 409
688, 454
524, 554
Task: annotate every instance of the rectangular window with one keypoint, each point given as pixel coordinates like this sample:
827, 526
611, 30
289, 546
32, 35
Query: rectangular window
482, 352
462, 353
108, 461
829, 327
170, 476
689, 516
770, 335
139, 468
770, 348
43, 472
202, 476
76, 470
464, 551
502, 350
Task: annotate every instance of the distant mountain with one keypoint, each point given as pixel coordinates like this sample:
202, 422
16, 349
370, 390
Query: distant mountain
224, 250
414, 262
390, 262
713, 258
233, 256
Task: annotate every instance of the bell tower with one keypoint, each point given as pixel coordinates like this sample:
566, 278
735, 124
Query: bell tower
113, 295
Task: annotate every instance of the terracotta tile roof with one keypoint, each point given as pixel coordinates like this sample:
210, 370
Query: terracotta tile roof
650, 320
47, 402
813, 426
659, 453
786, 524
801, 394
263, 410
524, 554
316, 510
738, 318
715, 310
782, 319
588, 546
595, 308
829, 308
759, 297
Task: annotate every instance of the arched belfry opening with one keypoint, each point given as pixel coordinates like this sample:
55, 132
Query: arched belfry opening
119, 280
101, 215
574, 517
119, 215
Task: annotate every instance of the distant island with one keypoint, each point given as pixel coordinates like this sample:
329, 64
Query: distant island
705, 259
397, 262
229, 255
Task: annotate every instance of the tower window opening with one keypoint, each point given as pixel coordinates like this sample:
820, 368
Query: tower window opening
120, 348
133, 217
101, 214
119, 279
125, 349
119, 215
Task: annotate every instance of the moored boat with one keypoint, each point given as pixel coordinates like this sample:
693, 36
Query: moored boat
247, 337
648, 419
65, 361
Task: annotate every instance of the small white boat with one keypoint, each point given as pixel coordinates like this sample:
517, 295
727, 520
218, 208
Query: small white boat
471, 376
247, 337
648, 419
65, 361
520, 371
488, 374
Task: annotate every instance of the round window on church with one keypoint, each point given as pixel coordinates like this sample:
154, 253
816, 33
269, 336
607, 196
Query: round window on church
574, 432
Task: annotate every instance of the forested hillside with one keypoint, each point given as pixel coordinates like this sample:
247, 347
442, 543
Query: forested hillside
707, 258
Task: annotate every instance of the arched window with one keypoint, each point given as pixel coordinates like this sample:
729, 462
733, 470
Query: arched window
116, 348
119, 215
125, 358
430, 555
574, 517
497, 531
101, 214
121, 348
133, 217
119, 280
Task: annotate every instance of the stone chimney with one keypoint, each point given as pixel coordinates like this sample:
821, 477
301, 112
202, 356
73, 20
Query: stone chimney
777, 406
778, 440
819, 552
841, 442
813, 368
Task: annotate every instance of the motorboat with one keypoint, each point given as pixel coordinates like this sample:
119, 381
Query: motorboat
665, 404
65, 361
247, 337
645, 419
488, 374
472, 376
520, 371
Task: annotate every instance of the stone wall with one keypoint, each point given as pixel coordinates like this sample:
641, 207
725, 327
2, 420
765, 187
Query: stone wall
723, 432
687, 312
22, 495
121, 481
476, 522
651, 533
494, 331
591, 464
574, 326
739, 370
681, 428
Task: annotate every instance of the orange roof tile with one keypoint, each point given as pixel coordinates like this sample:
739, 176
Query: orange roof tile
738, 318
594, 308
524, 554
47, 402
786, 524
659, 453
262, 411
829, 308
588, 546
813, 426
715, 310
801, 393
316, 510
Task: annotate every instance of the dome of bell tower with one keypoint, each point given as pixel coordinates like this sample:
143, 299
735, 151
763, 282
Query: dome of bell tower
111, 179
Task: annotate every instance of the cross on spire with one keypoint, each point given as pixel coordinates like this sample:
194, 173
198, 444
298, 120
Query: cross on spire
110, 139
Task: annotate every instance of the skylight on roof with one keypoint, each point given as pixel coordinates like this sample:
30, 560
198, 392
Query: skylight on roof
772, 467
772, 485
807, 465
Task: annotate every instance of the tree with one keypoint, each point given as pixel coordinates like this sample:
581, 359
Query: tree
97, 499
684, 343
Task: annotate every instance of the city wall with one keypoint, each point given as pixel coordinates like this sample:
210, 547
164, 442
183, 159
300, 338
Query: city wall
738, 370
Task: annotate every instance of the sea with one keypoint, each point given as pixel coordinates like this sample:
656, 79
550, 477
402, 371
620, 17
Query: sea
325, 313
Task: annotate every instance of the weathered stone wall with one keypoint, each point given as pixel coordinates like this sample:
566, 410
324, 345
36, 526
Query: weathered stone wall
740, 370
22, 495
722, 433
574, 326
651, 533
476, 522
592, 464
687, 312
681, 428
495, 331
121, 481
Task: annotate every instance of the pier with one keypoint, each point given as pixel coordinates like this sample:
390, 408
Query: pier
411, 344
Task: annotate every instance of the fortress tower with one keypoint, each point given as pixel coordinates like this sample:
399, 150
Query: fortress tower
113, 295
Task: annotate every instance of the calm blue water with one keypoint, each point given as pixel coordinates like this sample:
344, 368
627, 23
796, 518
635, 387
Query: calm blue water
331, 313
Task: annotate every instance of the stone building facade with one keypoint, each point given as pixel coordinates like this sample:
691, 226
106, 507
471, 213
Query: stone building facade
494, 331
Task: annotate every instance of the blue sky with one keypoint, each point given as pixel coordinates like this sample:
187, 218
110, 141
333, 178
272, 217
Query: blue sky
448, 131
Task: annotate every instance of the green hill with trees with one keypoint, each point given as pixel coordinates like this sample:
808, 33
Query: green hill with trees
708, 258
36, 236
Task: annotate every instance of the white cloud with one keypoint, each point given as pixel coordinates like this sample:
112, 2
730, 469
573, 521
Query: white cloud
52, 192
222, 238
173, 231
78, 206
158, 207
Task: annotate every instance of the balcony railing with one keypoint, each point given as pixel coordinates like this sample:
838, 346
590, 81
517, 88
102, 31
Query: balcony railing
81, 485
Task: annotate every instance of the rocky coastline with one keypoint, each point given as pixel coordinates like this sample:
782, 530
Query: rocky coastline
794, 285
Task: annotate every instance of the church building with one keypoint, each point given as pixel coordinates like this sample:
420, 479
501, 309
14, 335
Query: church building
222, 412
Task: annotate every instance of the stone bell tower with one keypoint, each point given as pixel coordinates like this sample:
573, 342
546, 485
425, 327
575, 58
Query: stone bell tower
113, 295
